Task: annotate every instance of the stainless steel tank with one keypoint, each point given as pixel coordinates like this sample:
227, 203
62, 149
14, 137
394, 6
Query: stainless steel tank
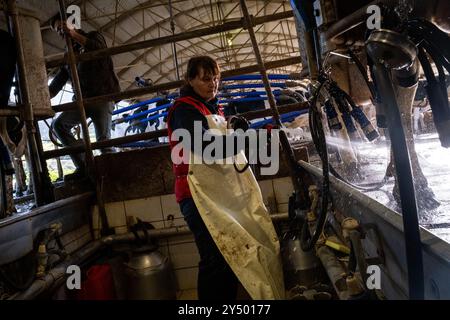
149, 276
300, 267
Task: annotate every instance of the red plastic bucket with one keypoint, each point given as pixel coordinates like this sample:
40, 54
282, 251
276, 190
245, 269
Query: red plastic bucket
99, 284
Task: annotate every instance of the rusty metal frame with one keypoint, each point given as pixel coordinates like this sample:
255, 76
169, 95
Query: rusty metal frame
163, 133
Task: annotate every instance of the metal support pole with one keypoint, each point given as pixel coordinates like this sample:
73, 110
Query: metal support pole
28, 117
78, 94
174, 45
47, 191
89, 156
276, 116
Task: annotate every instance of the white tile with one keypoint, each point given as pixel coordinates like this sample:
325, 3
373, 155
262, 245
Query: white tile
186, 278
121, 230
116, 214
184, 255
163, 247
181, 239
283, 189
146, 209
272, 204
178, 222
266, 187
158, 224
283, 208
170, 206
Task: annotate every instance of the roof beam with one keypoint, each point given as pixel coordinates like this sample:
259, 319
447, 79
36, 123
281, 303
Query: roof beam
231, 25
122, 72
164, 75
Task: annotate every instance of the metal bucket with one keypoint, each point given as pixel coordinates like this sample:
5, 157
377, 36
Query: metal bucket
149, 276
300, 267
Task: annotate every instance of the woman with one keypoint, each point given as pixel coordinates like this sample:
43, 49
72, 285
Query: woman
220, 205
216, 280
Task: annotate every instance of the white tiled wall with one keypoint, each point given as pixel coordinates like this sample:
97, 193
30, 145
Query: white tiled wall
184, 255
186, 278
146, 209
116, 214
283, 189
266, 187
159, 211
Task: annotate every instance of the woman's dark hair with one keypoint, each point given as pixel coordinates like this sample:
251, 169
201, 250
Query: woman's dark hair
208, 64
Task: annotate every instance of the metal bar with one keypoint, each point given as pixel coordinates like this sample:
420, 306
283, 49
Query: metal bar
171, 85
9, 111
275, 114
78, 94
89, 156
28, 115
174, 45
48, 195
54, 62
106, 143
261, 66
334, 270
163, 133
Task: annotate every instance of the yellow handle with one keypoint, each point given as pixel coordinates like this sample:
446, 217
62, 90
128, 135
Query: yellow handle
337, 246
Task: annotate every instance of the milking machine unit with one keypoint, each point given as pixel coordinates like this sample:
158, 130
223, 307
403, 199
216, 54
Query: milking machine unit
394, 53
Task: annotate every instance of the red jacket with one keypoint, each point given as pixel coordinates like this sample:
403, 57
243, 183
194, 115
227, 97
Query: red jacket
181, 170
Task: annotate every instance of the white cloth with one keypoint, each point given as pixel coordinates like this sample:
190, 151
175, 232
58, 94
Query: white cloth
231, 205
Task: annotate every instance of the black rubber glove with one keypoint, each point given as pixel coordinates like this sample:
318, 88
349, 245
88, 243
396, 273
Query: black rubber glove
238, 122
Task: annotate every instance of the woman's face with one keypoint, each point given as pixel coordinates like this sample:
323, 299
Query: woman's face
205, 85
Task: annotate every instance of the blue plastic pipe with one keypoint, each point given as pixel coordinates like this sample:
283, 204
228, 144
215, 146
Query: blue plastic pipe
143, 113
248, 94
243, 99
137, 105
257, 77
253, 85
284, 118
156, 116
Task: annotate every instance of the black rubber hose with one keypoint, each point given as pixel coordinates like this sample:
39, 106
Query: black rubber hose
363, 72
307, 241
345, 97
411, 229
438, 101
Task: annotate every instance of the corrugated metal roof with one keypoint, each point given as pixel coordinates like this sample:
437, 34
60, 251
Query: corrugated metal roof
129, 21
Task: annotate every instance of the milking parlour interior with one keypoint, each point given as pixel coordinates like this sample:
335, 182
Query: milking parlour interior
224, 150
